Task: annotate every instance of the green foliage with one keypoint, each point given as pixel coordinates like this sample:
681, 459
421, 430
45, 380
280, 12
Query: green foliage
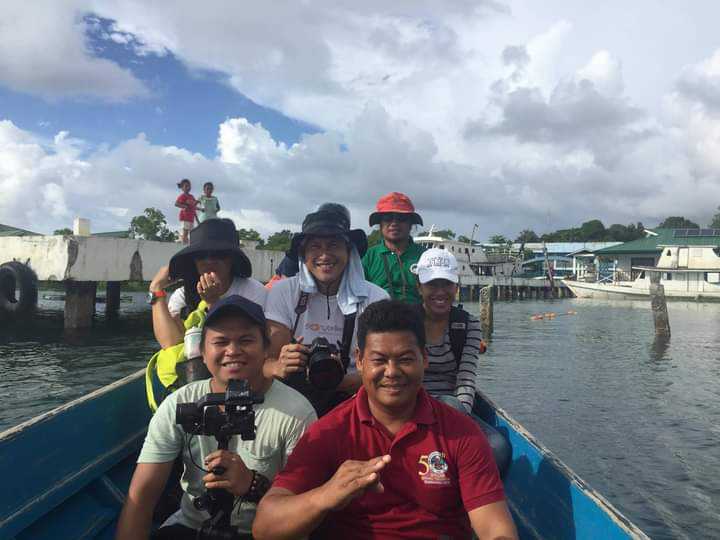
279, 241
678, 222
715, 223
251, 235
464, 239
63, 232
595, 231
445, 233
527, 235
374, 237
499, 239
152, 225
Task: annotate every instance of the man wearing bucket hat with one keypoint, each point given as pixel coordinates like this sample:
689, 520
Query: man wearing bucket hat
211, 267
234, 347
388, 263
321, 301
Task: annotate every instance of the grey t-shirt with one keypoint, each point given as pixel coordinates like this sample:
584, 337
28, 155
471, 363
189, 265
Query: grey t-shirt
280, 422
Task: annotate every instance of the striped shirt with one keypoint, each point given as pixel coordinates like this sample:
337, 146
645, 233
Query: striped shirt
443, 376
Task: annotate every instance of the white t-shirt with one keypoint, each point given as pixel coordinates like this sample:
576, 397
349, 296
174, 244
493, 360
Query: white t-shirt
280, 422
322, 317
248, 288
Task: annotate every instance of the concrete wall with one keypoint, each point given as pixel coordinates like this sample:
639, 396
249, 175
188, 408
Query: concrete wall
57, 258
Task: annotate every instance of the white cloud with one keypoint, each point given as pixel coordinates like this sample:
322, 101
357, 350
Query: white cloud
43, 51
433, 98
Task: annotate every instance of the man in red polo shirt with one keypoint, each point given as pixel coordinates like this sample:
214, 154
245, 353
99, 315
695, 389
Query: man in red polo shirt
392, 462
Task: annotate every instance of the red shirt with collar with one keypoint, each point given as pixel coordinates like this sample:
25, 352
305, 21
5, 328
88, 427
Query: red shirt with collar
442, 468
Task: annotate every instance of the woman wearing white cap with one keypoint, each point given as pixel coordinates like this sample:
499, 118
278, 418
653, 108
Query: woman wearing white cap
453, 350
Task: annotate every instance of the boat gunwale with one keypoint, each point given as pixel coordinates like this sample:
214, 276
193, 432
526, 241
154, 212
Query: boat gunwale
609, 509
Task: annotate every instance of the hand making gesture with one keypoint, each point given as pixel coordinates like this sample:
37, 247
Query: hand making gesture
351, 480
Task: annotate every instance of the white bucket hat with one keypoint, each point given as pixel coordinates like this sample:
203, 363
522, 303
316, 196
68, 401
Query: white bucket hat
436, 263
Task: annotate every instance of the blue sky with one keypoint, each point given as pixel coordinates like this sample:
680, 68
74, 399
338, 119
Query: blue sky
184, 109
509, 114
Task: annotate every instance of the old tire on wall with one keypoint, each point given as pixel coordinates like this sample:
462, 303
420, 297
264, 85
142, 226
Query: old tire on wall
18, 290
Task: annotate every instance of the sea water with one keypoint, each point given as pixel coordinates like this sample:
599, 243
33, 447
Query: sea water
636, 418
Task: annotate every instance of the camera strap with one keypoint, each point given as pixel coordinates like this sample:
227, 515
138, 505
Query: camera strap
300, 308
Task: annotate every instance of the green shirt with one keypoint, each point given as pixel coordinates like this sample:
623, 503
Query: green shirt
403, 283
210, 206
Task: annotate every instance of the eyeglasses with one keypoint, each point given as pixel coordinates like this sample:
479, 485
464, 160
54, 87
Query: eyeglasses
211, 255
400, 218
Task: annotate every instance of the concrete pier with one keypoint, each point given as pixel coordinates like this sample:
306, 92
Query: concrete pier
82, 261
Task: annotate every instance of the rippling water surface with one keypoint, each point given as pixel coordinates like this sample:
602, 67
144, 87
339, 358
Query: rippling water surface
638, 419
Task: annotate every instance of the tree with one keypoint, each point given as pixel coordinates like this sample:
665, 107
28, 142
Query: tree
445, 233
715, 223
678, 222
464, 239
250, 235
279, 241
592, 231
527, 235
498, 239
63, 232
152, 226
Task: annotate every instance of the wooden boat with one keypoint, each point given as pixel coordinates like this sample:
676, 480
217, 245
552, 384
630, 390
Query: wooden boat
66, 473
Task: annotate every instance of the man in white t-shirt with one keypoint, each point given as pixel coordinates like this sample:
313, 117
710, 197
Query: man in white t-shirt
321, 301
234, 346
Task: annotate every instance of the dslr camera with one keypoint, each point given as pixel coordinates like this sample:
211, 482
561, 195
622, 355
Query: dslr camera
204, 417
325, 370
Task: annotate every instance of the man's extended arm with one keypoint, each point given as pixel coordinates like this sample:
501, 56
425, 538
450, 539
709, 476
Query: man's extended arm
146, 486
493, 522
302, 513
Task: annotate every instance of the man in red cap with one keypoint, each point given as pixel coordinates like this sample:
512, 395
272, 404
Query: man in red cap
387, 264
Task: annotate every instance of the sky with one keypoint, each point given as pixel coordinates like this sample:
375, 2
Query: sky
510, 115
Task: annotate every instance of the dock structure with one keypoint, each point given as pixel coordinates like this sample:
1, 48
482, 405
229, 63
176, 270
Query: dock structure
80, 262
513, 288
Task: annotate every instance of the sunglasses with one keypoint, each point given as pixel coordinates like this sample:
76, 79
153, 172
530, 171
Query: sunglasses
211, 255
400, 218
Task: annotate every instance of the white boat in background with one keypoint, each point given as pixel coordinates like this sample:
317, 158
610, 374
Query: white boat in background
687, 272
474, 259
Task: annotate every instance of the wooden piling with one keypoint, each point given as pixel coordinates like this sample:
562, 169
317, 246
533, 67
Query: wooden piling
79, 303
486, 311
659, 306
112, 299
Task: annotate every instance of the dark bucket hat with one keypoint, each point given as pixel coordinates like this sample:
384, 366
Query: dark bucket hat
216, 235
331, 219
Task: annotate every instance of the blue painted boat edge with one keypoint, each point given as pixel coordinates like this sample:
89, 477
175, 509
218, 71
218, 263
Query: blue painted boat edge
584, 499
74, 469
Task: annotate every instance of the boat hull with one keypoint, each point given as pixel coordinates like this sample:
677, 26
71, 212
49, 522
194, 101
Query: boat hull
605, 291
67, 473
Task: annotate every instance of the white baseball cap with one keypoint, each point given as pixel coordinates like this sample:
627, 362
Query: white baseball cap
436, 263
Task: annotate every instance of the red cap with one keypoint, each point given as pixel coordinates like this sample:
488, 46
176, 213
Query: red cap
394, 203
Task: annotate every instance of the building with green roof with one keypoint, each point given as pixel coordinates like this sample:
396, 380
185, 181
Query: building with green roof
621, 259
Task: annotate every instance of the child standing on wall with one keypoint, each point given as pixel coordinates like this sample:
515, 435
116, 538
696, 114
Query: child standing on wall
209, 205
187, 205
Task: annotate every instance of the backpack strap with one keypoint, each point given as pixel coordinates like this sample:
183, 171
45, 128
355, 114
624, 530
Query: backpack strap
348, 331
458, 331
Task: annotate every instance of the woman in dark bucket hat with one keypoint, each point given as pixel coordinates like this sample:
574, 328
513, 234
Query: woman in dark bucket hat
211, 267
